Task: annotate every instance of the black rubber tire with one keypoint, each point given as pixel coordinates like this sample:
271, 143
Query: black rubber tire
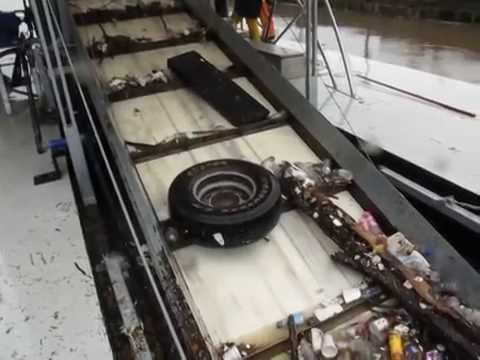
243, 209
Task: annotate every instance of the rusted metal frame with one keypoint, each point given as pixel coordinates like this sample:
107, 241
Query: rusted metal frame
135, 46
96, 16
147, 152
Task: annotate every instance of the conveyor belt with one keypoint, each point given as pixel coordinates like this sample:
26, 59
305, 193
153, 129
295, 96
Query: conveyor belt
291, 278
262, 283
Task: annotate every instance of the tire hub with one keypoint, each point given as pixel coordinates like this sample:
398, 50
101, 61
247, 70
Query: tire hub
224, 189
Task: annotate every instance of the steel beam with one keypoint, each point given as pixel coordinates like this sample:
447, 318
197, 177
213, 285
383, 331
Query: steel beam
72, 135
451, 210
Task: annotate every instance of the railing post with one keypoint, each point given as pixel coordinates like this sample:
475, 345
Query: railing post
340, 46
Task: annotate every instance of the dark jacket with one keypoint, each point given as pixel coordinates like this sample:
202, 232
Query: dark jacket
247, 8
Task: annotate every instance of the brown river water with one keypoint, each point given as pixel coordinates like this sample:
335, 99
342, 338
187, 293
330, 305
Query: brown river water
448, 49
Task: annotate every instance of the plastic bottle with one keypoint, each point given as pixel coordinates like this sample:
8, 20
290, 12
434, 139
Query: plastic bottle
395, 345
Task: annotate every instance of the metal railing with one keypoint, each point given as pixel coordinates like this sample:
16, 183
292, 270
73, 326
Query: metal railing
309, 9
57, 38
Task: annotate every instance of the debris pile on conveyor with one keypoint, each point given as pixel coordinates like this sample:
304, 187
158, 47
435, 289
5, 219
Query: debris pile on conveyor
109, 46
426, 320
119, 83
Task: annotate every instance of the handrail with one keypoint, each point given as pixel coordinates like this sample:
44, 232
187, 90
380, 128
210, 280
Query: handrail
340, 46
338, 38
50, 14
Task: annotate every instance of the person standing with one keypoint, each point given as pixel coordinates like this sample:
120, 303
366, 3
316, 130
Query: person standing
250, 10
266, 18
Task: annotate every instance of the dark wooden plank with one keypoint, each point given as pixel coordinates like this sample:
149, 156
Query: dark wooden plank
215, 87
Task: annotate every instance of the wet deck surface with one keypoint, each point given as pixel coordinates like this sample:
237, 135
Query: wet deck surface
435, 59
441, 141
48, 307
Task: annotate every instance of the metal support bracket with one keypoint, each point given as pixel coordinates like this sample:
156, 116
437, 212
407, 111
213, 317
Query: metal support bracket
58, 148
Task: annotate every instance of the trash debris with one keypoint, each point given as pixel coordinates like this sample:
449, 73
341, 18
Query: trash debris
368, 223
171, 234
232, 353
402, 329
433, 355
395, 345
310, 175
327, 312
389, 260
470, 315
306, 351
404, 251
329, 348
378, 330
351, 295
317, 340
119, 83
218, 237
413, 352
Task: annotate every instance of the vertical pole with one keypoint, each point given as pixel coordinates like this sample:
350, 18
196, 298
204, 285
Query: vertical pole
71, 131
308, 50
58, 60
311, 51
61, 7
314, 85
327, 65
340, 46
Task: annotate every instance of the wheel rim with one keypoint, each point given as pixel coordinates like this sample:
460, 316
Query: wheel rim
224, 189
